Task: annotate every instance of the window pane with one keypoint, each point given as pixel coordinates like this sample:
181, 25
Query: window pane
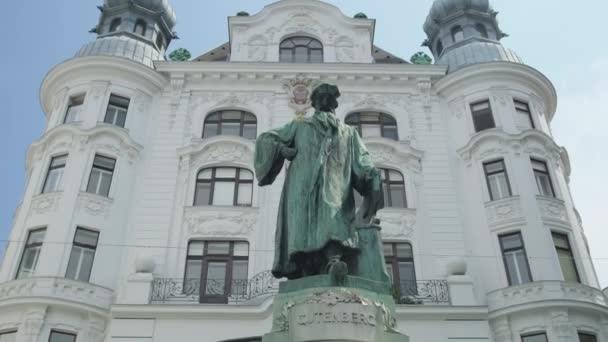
511, 241
535, 338
203, 191
225, 173
104, 162
368, 130
544, 184
522, 265
53, 180
494, 167
110, 115
216, 248
387, 249
482, 116
223, 193
245, 175
231, 128
499, 187
239, 278
29, 262
249, 131
301, 54
568, 266
245, 194
395, 176
8, 336
231, 115
193, 269
36, 236
404, 250
210, 130
86, 237
389, 270
390, 132
61, 337
74, 262
241, 249
316, 56
581, 336
86, 265
121, 118
539, 165
407, 279
93, 181
480, 106
370, 117
71, 114
397, 196
286, 55
216, 278
523, 120
196, 248
561, 241
104, 186
205, 174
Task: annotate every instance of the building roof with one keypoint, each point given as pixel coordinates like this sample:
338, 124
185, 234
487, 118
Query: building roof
162, 7
444, 9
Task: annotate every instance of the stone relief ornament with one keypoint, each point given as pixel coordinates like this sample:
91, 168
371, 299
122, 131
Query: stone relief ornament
44, 203
220, 223
552, 208
503, 210
258, 48
345, 49
397, 224
298, 91
94, 205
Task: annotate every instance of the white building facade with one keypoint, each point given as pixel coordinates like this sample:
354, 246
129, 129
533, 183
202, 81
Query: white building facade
141, 220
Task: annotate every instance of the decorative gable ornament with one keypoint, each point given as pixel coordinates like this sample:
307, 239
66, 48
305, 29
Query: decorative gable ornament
298, 91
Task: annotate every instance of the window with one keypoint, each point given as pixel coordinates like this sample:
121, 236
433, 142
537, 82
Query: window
231, 122
400, 267
482, 116
221, 266
58, 336
481, 29
116, 113
224, 186
439, 48
74, 106
160, 41
301, 50
523, 118
31, 252
8, 336
394, 190
538, 337
566, 259
115, 25
582, 337
373, 124
140, 27
543, 179
515, 259
101, 175
457, 34
83, 253
54, 176
497, 179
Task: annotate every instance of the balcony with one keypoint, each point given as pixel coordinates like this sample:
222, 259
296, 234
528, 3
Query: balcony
256, 290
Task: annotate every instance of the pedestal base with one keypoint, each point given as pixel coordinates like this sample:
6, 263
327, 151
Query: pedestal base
364, 312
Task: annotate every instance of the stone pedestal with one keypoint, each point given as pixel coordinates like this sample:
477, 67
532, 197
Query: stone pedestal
312, 310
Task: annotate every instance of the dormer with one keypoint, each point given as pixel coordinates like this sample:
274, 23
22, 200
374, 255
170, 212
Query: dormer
301, 31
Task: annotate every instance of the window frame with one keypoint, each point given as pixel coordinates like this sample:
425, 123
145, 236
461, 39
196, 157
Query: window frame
114, 103
140, 22
113, 26
357, 123
566, 237
206, 258
387, 182
295, 46
102, 169
475, 114
71, 104
526, 111
242, 121
454, 31
8, 332
28, 246
482, 30
82, 246
488, 174
523, 248
543, 333
52, 168
213, 180
546, 173
62, 332
394, 260
587, 334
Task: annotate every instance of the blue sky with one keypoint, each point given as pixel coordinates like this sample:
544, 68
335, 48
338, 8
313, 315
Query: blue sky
563, 39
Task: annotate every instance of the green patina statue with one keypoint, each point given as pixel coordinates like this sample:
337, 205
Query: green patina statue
317, 225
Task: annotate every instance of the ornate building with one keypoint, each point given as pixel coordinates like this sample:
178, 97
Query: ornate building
141, 220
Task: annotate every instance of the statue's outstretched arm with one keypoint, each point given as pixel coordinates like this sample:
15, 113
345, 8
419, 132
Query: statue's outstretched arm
271, 150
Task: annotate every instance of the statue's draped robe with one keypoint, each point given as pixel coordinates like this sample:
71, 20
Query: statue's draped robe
317, 203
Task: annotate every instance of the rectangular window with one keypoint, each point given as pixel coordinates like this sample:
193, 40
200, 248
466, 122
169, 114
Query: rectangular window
497, 179
101, 175
515, 258
74, 107
538, 337
220, 266
116, 114
582, 337
399, 260
31, 252
566, 259
482, 116
8, 336
58, 336
523, 118
83, 253
543, 179
54, 175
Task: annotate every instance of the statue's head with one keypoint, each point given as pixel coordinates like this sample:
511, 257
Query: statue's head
325, 98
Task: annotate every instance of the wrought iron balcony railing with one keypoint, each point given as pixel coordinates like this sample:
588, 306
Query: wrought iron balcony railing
264, 285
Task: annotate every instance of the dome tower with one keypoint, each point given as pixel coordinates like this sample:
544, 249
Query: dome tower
465, 32
140, 30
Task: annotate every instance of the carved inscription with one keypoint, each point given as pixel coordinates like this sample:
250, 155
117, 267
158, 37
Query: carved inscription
332, 317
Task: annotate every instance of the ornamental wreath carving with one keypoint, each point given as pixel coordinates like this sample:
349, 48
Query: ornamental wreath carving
298, 92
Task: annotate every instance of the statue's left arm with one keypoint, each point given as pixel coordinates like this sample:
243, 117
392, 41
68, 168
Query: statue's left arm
271, 150
366, 180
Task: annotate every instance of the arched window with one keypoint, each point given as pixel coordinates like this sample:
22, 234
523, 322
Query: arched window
394, 190
224, 186
115, 24
439, 49
481, 29
399, 259
457, 33
231, 122
140, 27
301, 50
160, 41
373, 124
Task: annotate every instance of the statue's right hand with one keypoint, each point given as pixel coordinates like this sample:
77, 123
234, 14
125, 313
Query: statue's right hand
288, 153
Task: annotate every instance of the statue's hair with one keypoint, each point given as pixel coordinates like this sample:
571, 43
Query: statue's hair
324, 97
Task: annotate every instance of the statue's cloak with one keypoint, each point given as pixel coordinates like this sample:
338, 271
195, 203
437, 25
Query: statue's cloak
317, 203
